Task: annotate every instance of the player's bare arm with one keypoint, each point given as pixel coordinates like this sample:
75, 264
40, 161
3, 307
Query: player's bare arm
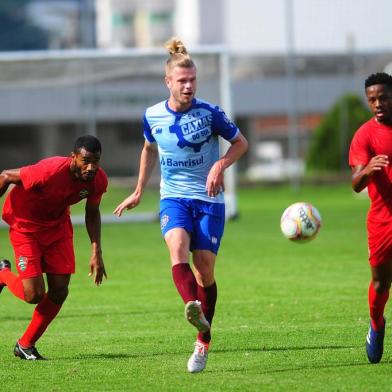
215, 180
362, 173
93, 225
148, 159
7, 177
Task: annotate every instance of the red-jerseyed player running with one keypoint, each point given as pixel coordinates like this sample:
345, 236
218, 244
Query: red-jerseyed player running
369, 158
37, 211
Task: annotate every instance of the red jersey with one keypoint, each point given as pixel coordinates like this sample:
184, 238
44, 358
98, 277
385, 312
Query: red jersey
371, 139
46, 192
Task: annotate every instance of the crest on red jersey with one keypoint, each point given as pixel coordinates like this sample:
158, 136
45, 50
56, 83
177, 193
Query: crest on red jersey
83, 193
22, 263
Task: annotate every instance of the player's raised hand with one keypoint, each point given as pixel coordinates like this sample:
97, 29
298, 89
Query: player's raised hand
130, 202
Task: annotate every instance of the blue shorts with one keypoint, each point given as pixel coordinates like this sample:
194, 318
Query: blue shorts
204, 221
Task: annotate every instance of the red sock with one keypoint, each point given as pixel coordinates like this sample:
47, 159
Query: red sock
43, 314
377, 303
207, 296
185, 281
13, 282
206, 345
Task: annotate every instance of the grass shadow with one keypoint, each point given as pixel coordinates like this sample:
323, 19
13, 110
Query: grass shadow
301, 348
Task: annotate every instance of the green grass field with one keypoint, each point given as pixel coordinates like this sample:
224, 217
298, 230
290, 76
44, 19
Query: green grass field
289, 317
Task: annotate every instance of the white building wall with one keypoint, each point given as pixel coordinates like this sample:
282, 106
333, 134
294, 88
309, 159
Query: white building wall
187, 21
104, 25
124, 23
319, 26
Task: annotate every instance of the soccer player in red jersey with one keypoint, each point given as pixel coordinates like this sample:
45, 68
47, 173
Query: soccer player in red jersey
369, 157
37, 210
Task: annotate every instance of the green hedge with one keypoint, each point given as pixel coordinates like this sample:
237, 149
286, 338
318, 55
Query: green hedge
331, 139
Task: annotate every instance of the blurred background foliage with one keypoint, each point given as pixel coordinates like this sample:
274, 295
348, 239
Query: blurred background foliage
330, 141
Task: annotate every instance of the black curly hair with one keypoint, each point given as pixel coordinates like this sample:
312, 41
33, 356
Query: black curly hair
89, 143
379, 78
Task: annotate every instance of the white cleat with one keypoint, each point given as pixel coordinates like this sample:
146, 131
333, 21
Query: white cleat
198, 360
195, 316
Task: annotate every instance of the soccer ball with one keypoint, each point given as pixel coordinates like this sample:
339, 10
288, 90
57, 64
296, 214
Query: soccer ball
300, 222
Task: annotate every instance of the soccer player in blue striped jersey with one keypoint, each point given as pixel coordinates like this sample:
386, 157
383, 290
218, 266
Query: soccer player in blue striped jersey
183, 132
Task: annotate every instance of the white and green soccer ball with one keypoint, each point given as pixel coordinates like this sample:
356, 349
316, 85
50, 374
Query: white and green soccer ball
300, 222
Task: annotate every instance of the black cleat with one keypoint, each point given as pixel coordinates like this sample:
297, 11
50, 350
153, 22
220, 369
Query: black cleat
4, 264
30, 353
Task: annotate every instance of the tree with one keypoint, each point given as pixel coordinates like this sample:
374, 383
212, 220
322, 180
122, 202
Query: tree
16, 31
331, 139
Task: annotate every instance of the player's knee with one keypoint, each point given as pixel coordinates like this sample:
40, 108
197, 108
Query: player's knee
34, 297
381, 286
58, 295
205, 277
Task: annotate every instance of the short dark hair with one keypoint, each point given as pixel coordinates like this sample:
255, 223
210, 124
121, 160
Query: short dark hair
379, 78
89, 143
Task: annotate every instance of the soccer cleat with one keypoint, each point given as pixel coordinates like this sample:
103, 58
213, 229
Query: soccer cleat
375, 344
30, 353
4, 264
198, 360
195, 316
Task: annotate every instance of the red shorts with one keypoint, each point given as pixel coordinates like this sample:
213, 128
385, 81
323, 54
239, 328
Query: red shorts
47, 251
380, 242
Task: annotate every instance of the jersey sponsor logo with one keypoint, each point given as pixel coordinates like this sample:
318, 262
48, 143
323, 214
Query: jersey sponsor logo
83, 193
156, 131
196, 125
182, 163
22, 263
194, 132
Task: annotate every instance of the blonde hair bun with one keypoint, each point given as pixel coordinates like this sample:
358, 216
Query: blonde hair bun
179, 56
175, 46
